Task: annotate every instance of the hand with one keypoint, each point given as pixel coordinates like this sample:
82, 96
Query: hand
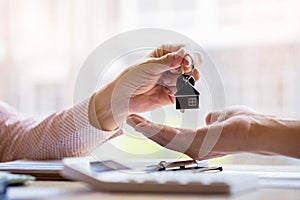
241, 130
142, 87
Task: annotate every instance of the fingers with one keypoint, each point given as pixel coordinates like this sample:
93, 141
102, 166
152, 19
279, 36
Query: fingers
165, 63
196, 74
172, 58
172, 62
169, 79
187, 64
133, 120
219, 116
197, 144
160, 134
215, 116
196, 60
165, 49
180, 140
173, 89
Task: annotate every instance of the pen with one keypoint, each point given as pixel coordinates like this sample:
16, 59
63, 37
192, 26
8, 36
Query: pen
184, 165
205, 169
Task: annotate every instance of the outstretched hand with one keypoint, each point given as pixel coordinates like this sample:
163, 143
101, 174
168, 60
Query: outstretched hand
241, 130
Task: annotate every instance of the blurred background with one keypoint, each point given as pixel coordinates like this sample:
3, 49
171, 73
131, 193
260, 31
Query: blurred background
255, 45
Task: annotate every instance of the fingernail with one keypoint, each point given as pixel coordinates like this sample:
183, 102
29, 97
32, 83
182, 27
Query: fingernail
129, 117
198, 58
130, 121
181, 52
176, 71
141, 125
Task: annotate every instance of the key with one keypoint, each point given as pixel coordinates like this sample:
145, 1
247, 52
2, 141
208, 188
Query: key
187, 96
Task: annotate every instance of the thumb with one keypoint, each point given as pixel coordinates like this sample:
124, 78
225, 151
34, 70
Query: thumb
133, 120
167, 62
160, 134
216, 116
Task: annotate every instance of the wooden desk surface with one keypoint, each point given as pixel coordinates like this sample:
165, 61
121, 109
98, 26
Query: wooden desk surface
77, 190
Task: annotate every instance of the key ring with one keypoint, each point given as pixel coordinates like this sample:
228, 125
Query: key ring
192, 60
193, 67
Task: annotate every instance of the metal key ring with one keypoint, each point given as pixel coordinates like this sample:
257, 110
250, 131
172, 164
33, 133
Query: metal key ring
192, 65
191, 73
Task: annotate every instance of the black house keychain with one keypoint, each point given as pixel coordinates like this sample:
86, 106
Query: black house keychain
187, 96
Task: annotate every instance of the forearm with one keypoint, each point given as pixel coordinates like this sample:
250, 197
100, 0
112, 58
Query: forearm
61, 134
273, 135
108, 108
100, 112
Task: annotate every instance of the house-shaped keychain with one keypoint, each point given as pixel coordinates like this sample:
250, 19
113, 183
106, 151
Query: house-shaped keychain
187, 96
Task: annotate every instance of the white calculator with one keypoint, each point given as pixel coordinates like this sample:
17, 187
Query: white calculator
113, 176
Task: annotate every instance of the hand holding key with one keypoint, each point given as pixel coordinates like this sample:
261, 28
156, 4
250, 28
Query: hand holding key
142, 87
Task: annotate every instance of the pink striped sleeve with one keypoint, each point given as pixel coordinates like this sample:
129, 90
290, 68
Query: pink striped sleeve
62, 134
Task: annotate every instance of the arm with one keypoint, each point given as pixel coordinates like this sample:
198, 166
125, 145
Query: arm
276, 135
61, 134
235, 130
145, 86
76, 131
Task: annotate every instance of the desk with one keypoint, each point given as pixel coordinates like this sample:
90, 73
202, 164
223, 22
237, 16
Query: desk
76, 190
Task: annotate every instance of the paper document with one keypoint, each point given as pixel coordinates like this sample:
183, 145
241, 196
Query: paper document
42, 170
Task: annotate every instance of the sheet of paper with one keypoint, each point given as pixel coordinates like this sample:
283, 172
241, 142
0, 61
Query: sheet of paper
271, 176
42, 170
31, 165
279, 179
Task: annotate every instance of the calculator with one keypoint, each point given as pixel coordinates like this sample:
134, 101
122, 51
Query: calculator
112, 176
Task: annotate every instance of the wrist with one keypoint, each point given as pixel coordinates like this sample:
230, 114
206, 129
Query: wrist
100, 113
273, 135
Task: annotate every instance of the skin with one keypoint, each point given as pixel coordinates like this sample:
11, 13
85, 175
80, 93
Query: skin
152, 82
242, 130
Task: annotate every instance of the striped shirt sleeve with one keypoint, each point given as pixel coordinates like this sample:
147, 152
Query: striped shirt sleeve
62, 134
